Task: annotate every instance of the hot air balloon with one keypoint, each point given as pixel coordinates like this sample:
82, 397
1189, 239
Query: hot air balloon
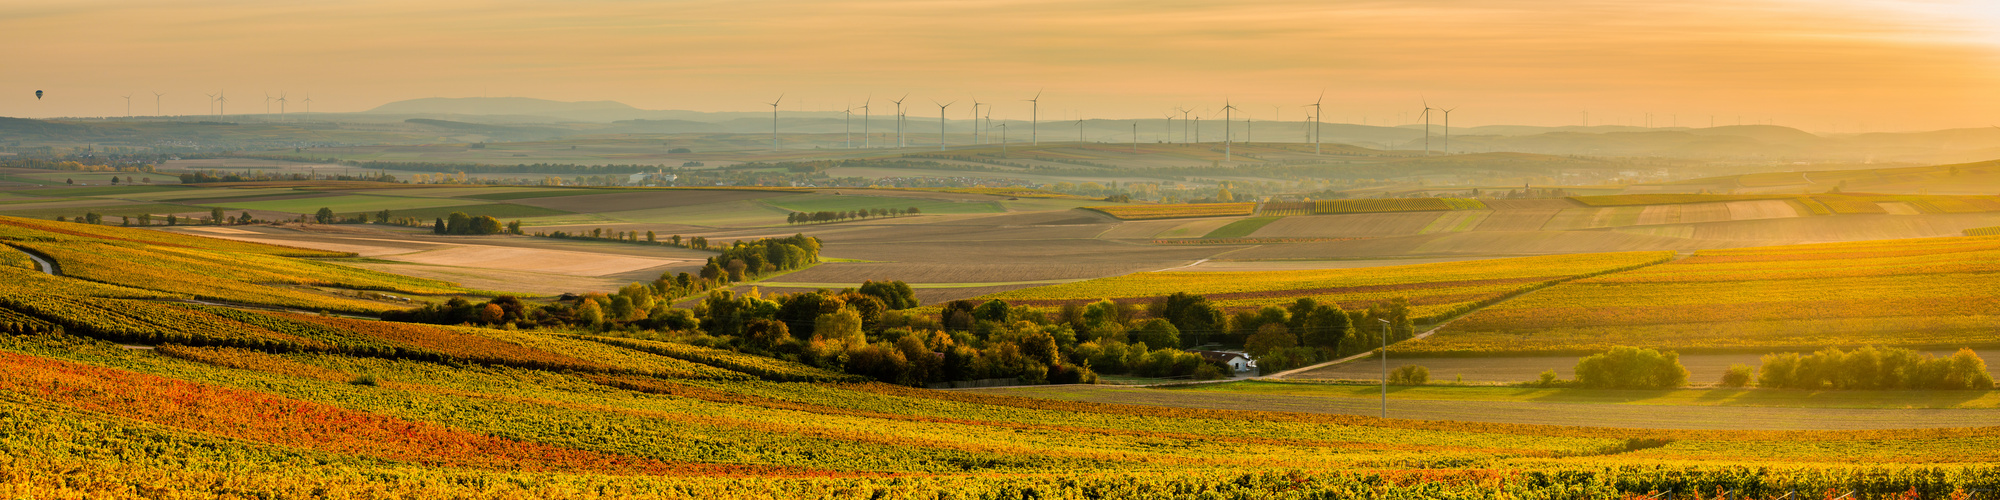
38, 95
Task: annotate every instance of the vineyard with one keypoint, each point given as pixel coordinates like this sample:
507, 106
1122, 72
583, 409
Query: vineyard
1435, 290
222, 270
1176, 211
1395, 205
1930, 293
189, 420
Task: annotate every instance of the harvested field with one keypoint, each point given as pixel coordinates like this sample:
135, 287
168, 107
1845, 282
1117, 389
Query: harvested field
1589, 218
239, 200
1349, 225
1846, 227
925, 296
1303, 265
943, 272
1195, 229
220, 230
1768, 209
648, 199
1571, 414
849, 202
1486, 243
528, 282
1457, 221
1138, 230
340, 204
1517, 220
1898, 208
737, 213
1540, 204
540, 260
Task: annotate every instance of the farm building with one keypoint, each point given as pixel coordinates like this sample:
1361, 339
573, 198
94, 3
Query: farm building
1237, 361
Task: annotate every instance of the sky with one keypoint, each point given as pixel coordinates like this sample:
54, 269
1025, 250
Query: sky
1829, 66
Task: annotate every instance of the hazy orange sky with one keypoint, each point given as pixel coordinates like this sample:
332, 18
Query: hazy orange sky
1820, 65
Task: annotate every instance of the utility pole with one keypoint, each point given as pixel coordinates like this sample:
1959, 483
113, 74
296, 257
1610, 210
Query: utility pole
1385, 367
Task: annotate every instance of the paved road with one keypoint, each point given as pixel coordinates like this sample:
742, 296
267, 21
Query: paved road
1578, 414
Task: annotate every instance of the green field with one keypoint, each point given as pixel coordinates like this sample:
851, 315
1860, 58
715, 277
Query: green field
497, 210
104, 190
109, 211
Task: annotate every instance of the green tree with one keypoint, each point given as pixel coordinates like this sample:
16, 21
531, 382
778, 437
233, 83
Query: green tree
324, 216
458, 223
843, 325
215, 215
1158, 333
383, 216
485, 224
590, 313
1410, 375
1631, 368
1270, 337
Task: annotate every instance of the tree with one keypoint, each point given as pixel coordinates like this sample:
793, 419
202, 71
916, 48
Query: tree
1737, 376
1158, 333
485, 224
1410, 375
1270, 337
650, 237
438, 227
491, 314
215, 215
382, 216
1193, 315
245, 218
324, 216
458, 223
1631, 368
842, 325
589, 312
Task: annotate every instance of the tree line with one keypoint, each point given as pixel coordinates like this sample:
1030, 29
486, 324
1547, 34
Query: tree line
840, 215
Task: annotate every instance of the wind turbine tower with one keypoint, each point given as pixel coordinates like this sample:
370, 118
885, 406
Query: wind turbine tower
1228, 138
899, 119
309, 104
1316, 121
221, 103
867, 139
1447, 130
128, 105
1184, 123
1034, 117
941, 108
1427, 128
281, 106
211, 102
156, 104
774, 120
975, 119
847, 127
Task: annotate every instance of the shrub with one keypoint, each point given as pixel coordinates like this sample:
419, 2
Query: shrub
1548, 379
1874, 368
1631, 368
1737, 376
367, 380
1410, 375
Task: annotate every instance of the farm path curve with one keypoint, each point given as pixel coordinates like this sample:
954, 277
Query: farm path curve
1642, 416
47, 265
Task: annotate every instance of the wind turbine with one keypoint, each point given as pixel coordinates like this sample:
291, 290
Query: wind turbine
1427, 128
1003, 139
941, 108
1079, 130
774, 120
281, 106
1228, 138
1170, 128
1184, 123
1135, 138
1447, 130
211, 101
989, 123
1034, 116
867, 139
847, 127
1316, 121
309, 104
899, 119
975, 119
128, 105
267, 103
221, 103
156, 103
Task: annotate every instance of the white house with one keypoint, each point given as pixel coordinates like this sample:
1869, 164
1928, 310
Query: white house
1237, 361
